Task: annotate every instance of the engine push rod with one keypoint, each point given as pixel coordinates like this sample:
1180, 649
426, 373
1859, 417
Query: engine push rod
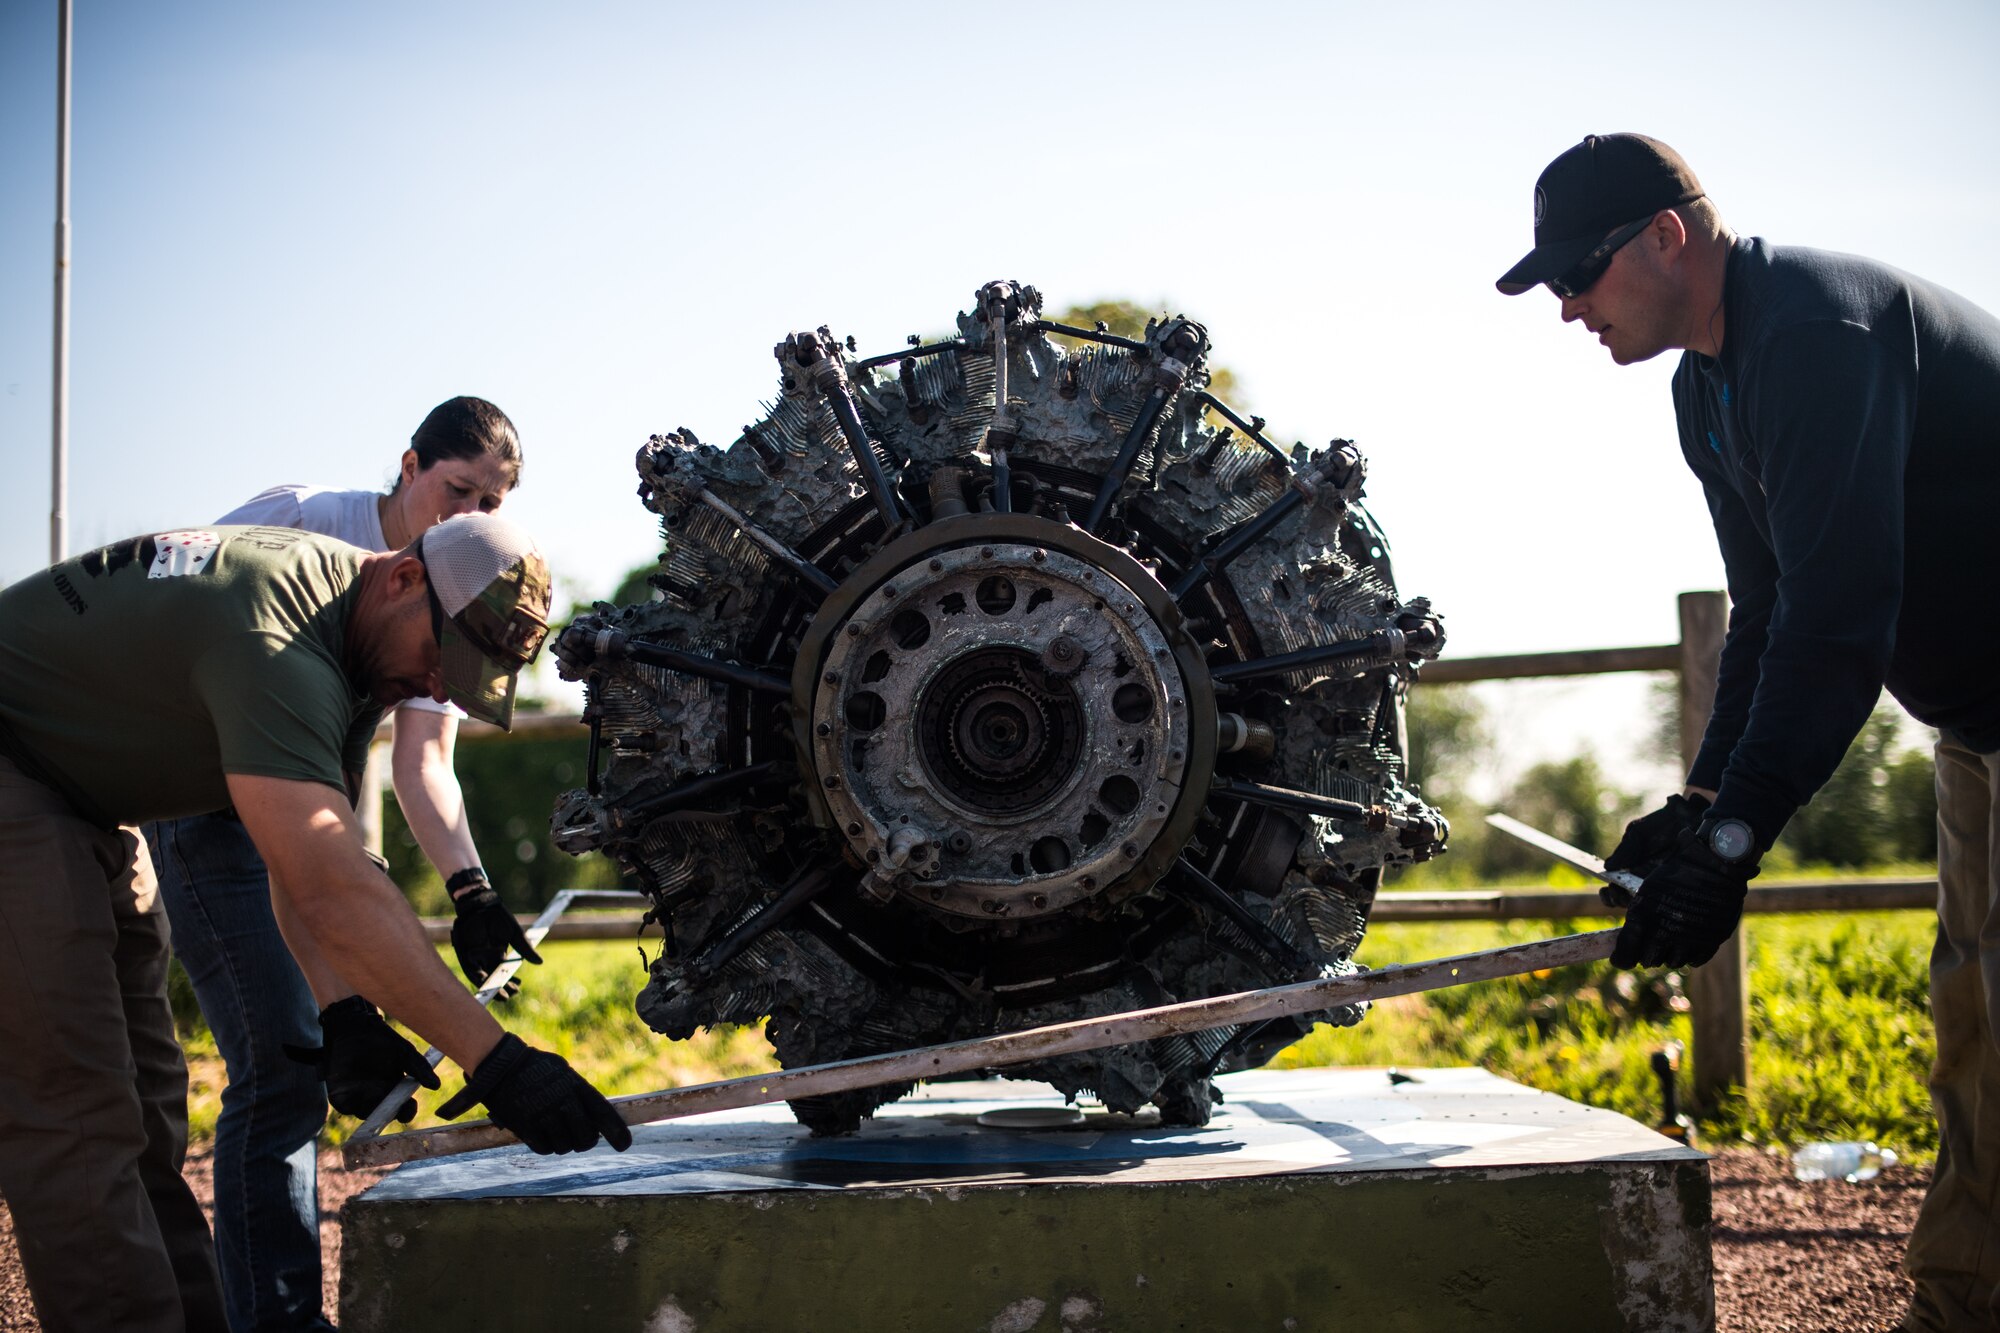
1028, 1046
1182, 349
1384, 645
1254, 427
812, 574
1375, 817
708, 787
709, 668
1337, 470
1207, 893
812, 882
819, 356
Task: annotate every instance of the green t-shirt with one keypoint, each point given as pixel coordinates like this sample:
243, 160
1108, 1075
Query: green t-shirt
134, 677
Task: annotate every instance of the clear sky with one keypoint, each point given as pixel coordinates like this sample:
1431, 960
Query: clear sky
296, 228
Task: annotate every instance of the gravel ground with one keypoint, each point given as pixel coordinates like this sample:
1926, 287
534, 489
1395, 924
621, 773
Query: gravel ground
1789, 1258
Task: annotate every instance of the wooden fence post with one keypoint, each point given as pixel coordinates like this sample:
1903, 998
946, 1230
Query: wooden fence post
1719, 990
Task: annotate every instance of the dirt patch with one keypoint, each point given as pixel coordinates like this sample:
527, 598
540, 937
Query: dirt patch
1789, 1258
1805, 1258
336, 1186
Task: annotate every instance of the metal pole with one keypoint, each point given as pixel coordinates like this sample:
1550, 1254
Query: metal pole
59, 444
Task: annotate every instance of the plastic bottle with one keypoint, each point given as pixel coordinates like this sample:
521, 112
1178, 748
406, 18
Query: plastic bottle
1851, 1162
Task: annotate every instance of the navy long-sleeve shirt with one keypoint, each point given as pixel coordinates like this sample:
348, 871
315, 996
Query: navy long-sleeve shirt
1848, 441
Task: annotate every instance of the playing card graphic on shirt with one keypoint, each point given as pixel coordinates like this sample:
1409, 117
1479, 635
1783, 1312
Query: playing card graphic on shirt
177, 553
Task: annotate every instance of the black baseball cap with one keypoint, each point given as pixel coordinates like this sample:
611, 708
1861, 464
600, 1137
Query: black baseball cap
1601, 184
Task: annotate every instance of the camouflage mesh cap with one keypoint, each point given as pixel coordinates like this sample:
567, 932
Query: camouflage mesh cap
493, 586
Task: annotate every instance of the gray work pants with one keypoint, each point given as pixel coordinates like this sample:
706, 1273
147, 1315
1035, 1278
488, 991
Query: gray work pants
93, 1089
1954, 1253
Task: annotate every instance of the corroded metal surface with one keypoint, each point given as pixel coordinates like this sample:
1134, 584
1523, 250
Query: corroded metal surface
991, 686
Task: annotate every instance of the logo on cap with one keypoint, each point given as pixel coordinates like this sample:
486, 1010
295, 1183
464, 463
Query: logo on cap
1541, 206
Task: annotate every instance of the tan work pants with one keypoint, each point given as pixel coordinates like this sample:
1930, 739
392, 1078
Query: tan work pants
93, 1089
1954, 1253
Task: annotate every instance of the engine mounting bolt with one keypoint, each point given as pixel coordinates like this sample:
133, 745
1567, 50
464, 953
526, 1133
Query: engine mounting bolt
1040, 900
1088, 882
1160, 653
854, 631
993, 907
854, 830
959, 841
824, 728
937, 893
874, 853
832, 780
832, 678
937, 566
1131, 850
985, 553
905, 880
888, 590
1041, 557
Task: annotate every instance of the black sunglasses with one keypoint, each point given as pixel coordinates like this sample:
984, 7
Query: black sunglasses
1584, 274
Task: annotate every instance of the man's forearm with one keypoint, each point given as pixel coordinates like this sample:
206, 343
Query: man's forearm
327, 985
362, 929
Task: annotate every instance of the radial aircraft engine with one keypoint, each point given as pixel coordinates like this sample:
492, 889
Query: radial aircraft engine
995, 682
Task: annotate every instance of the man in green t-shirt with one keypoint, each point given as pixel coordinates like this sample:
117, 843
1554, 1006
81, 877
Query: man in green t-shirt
187, 672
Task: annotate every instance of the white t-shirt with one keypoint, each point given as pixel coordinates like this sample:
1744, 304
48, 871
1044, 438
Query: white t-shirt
350, 516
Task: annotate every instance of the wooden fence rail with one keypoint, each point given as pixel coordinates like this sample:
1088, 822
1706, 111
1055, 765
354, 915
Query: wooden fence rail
1501, 904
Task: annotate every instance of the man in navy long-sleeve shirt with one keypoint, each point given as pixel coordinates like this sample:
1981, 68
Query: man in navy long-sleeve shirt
1844, 420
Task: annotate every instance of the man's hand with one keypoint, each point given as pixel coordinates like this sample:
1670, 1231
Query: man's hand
539, 1099
1685, 909
362, 1059
485, 930
1649, 840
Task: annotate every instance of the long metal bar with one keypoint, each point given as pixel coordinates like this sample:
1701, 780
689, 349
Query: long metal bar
59, 422
1574, 857
493, 985
1025, 1047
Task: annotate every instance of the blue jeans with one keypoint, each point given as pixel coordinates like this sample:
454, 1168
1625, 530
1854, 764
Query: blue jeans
255, 999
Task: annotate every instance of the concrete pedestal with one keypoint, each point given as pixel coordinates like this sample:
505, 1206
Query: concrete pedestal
1316, 1199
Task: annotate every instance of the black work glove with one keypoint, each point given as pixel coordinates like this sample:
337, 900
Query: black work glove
1685, 909
1649, 840
362, 1059
535, 1096
484, 931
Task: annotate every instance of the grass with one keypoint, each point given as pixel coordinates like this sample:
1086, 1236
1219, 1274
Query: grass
1840, 1028
1841, 1041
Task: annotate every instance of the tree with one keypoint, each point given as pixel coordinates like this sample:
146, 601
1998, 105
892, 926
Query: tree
1880, 805
1448, 740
